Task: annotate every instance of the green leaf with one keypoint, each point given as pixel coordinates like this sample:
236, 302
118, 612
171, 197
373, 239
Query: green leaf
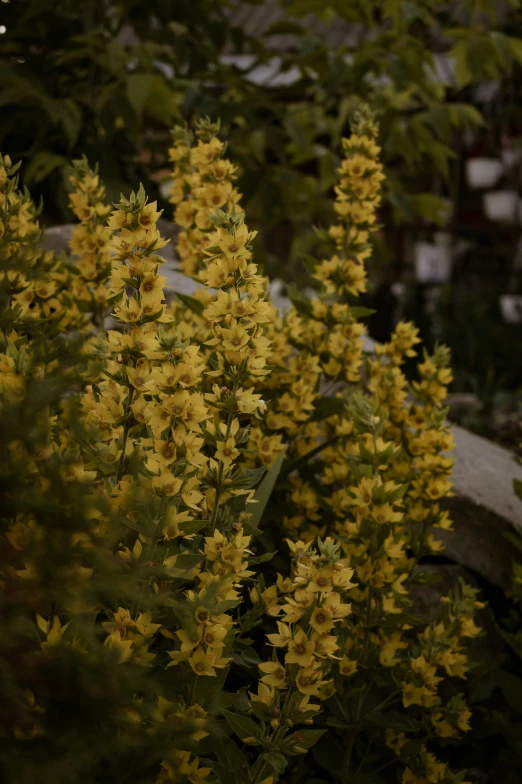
396, 720
261, 710
515, 45
230, 757
139, 88
71, 120
42, 164
247, 477
242, 726
247, 658
301, 740
482, 690
192, 526
284, 27
301, 303
259, 559
207, 691
329, 754
257, 144
326, 407
191, 303
463, 73
464, 115
431, 207
180, 565
339, 724
264, 491
223, 772
310, 262
276, 760
511, 686
360, 312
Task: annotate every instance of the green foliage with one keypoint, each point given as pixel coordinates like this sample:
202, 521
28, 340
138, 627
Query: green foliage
108, 80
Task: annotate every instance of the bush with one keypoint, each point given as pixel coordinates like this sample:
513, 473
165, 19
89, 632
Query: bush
218, 560
108, 80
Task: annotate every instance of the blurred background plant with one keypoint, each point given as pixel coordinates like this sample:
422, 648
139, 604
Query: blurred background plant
108, 79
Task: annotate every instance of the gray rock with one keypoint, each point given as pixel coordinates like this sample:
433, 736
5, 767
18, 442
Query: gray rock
462, 403
484, 474
478, 541
57, 238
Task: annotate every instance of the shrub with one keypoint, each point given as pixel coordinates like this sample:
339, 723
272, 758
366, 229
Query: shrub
109, 80
229, 508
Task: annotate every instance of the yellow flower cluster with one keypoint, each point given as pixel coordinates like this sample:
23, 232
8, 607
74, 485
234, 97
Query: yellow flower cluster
203, 180
320, 343
37, 283
382, 467
358, 196
311, 608
90, 239
193, 403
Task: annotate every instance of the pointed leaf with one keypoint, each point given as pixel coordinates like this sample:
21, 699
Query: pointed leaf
276, 760
242, 726
302, 740
191, 303
264, 491
230, 757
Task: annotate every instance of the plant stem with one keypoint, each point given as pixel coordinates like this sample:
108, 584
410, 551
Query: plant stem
221, 471
101, 315
263, 768
126, 429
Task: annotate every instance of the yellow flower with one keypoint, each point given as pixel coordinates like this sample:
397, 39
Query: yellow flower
214, 635
284, 636
389, 648
233, 244
307, 681
395, 740
216, 275
300, 650
325, 645
347, 666
201, 663
426, 670
151, 288
417, 695
322, 620
166, 483
275, 674
468, 627
234, 338
226, 451
264, 694
443, 727
455, 664
148, 216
